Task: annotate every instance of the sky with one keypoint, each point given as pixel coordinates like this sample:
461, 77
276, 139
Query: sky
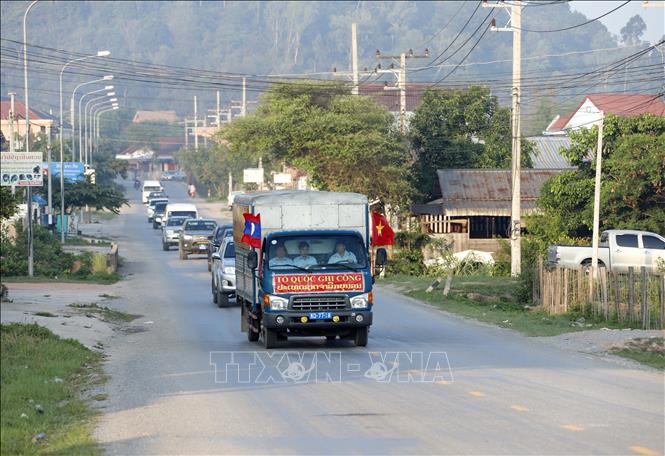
654, 17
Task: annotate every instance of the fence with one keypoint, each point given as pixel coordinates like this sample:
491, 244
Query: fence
635, 298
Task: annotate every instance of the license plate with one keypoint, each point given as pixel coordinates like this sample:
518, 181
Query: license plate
320, 315
203, 247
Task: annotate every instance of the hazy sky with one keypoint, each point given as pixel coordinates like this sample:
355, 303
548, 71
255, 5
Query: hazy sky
654, 17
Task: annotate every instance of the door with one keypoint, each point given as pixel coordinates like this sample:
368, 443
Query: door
626, 252
654, 251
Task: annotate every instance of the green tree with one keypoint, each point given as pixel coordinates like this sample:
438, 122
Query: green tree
633, 30
460, 129
633, 181
80, 194
8, 202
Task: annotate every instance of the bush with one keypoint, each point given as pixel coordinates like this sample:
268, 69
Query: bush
409, 257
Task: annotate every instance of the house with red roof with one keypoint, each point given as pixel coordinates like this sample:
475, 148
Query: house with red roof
39, 122
593, 107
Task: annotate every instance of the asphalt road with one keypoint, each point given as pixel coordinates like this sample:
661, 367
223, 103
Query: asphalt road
484, 391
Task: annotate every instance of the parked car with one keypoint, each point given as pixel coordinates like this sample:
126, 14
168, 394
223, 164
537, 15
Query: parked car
167, 175
224, 273
618, 250
217, 238
194, 237
171, 231
178, 176
150, 209
158, 214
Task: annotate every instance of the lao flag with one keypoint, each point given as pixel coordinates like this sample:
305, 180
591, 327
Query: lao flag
252, 233
382, 234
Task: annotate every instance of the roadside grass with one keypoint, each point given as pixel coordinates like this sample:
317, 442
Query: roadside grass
102, 215
43, 379
79, 241
102, 279
649, 351
106, 313
494, 300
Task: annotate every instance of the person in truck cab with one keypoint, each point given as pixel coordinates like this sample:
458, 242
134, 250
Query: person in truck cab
342, 255
304, 260
280, 259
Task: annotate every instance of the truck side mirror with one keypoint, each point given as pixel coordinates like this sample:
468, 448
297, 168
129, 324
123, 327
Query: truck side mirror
381, 257
252, 260
215, 256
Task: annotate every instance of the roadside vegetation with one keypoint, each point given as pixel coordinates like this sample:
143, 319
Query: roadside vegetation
106, 313
44, 379
650, 351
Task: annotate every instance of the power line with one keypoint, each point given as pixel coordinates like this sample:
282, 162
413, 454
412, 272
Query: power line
578, 25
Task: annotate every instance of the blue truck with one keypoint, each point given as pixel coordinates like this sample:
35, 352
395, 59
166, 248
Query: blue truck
304, 265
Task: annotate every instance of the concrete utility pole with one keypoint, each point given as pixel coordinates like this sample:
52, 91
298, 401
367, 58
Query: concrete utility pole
217, 112
186, 134
514, 26
354, 58
50, 172
400, 73
243, 110
596, 205
196, 121
12, 141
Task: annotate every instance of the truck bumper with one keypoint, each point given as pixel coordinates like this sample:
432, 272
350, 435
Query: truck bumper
348, 319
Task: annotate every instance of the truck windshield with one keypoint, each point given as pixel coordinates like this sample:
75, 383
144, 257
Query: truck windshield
190, 214
200, 225
316, 252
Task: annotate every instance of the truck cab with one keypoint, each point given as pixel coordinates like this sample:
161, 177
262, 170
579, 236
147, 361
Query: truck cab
312, 275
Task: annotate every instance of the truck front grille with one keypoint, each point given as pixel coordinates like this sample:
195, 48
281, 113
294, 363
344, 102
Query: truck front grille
316, 303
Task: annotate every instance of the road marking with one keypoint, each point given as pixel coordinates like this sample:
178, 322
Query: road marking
519, 408
644, 450
477, 393
442, 382
572, 427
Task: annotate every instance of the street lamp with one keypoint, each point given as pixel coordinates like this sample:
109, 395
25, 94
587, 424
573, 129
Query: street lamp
84, 148
71, 108
96, 127
109, 87
27, 133
91, 128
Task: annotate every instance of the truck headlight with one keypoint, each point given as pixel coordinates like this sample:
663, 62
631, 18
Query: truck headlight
361, 301
158, 219
229, 270
277, 303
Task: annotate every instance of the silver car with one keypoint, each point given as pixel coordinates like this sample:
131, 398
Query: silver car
224, 273
171, 232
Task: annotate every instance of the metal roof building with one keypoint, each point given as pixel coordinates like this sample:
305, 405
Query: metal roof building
547, 152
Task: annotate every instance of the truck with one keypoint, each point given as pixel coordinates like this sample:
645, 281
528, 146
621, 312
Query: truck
307, 270
618, 250
150, 186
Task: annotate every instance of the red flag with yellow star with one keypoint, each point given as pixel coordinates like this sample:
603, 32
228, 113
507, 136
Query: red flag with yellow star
382, 234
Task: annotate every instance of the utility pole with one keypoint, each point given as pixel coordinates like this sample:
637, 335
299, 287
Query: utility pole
400, 73
11, 124
219, 124
354, 58
596, 206
50, 172
186, 134
196, 121
243, 110
514, 26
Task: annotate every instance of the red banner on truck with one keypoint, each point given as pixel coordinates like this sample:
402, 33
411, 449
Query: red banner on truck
318, 283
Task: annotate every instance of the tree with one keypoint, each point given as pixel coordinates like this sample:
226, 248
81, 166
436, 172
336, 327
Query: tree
633, 30
343, 142
8, 202
460, 129
81, 194
633, 181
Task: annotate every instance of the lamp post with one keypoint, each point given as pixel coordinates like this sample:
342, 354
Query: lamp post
71, 108
89, 124
80, 118
86, 119
96, 121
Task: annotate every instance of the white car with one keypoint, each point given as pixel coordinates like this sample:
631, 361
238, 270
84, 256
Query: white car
171, 232
150, 186
224, 273
151, 206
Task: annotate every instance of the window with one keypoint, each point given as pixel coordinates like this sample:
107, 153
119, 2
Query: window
627, 240
200, 225
652, 242
317, 251
230, 251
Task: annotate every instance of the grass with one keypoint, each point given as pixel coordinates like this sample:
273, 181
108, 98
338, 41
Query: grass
102, 279
101, 215
79, 241
493, 300
45, 314
649, 351
40, 369
106, 313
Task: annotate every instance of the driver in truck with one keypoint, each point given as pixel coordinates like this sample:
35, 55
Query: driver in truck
304, 260
342, 255
280, 259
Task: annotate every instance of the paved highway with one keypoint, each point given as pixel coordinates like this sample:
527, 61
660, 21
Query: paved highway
485, 390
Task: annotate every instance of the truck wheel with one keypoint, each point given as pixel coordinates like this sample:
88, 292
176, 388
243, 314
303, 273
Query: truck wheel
165, 246
361, 336
331, 338
214, 291
269, 338
251, 335
154, 225
222, 299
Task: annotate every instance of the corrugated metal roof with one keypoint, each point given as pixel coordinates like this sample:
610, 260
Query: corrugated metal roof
546, 152
487, 191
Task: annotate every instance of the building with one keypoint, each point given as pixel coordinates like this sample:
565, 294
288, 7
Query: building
155, 116
152, 159
588, 113
473, 206
547, 151
39, 122
388, 95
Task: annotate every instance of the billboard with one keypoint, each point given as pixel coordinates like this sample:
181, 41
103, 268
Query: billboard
282, 178
252, 175
22, 169
74, 171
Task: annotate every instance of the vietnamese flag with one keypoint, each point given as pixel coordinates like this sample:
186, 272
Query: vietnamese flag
251, 235
382, 234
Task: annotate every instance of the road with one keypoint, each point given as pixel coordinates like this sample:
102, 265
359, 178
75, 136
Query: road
503, 393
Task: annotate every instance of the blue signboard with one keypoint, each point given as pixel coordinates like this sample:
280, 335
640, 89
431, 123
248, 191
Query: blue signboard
73, 170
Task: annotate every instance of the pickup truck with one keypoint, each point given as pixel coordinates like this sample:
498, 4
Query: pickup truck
618, 250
